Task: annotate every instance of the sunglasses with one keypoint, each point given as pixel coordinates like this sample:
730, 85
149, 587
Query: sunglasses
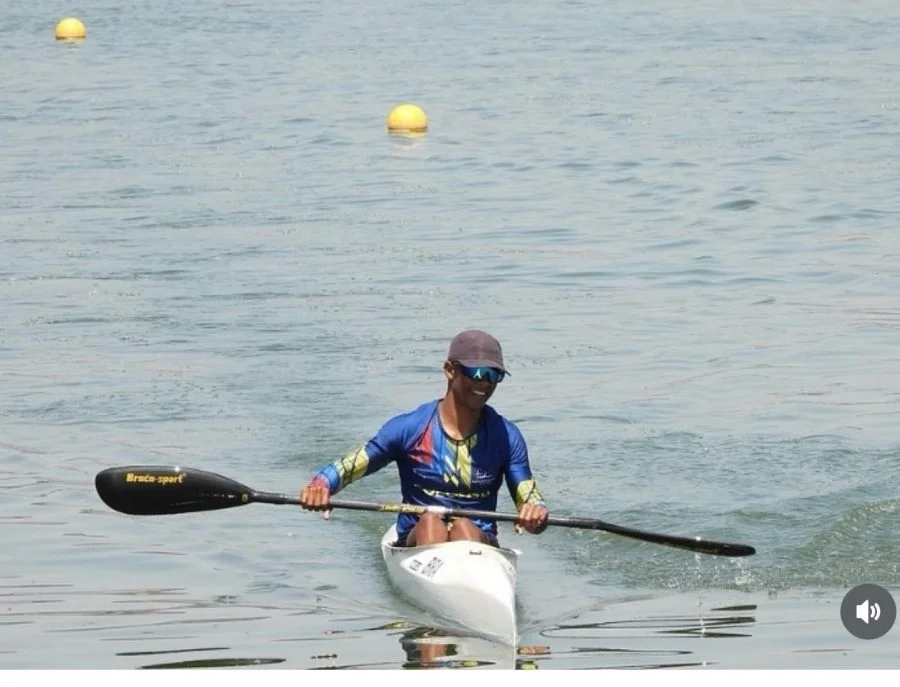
483, 374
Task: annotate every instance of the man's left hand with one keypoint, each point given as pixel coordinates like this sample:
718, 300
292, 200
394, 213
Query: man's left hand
533, 518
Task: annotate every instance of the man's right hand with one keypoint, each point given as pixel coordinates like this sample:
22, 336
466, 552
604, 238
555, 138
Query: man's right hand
316, 496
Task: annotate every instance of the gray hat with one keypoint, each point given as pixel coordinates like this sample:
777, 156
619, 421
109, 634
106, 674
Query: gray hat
475, 348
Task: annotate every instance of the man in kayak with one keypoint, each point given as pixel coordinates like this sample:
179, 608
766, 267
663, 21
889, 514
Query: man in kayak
453, 452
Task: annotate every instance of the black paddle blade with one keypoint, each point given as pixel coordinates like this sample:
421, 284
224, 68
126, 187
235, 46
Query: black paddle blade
155, 490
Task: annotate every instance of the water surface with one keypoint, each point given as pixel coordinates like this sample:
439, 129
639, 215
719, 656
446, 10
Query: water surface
679, 219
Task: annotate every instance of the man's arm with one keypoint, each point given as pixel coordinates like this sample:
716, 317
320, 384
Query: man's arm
523, 487
352, 467
364, 460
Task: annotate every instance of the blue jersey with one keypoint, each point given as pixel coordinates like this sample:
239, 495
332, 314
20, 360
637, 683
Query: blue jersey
436, 470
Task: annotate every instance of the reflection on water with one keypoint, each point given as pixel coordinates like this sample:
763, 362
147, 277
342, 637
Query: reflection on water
430, 647
666, 625
426, 647
639, 630
159, 628
434, 648
200, 663
218, 663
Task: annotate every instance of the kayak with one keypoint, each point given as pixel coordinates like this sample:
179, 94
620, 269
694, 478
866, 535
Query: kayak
470, 585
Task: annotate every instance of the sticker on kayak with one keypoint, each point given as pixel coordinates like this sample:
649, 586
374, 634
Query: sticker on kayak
430, 568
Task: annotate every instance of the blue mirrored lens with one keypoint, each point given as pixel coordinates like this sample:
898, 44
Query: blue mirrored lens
488, 374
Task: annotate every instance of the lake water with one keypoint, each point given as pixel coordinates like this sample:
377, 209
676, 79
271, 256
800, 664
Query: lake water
680, 219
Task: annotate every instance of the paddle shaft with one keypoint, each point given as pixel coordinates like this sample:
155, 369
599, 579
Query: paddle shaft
696, 544
155, 490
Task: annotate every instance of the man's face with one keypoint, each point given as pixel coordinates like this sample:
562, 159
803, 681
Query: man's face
468, 392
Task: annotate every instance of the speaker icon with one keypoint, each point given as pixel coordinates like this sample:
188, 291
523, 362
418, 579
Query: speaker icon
871, 604
864, 611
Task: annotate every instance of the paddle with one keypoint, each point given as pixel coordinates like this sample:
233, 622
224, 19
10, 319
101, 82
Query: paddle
155, 490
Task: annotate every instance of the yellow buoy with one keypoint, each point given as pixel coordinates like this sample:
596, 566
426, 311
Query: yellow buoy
69, 28
407, 119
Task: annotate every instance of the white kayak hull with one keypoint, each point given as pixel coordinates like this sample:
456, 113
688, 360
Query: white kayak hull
468, 584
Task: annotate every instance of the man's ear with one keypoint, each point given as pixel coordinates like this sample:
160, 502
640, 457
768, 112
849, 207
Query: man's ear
449, 370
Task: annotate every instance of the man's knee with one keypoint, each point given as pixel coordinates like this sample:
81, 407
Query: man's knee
463, 528
431, 521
